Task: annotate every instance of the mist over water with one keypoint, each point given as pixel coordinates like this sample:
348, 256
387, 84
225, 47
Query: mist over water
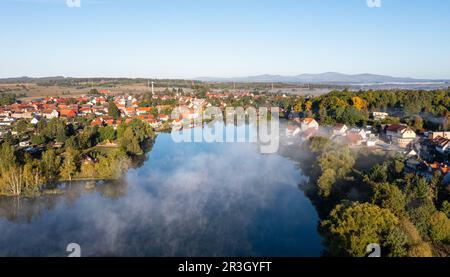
188, 199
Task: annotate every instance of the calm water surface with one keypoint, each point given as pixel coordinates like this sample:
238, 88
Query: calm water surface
188, 199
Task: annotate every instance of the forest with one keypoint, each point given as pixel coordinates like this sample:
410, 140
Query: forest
70, 151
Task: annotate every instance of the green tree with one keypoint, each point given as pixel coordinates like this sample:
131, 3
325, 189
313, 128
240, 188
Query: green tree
439, 229
446, 208
107, 133
390, 197
7, 157
378, 174
113, 110
326, 181
38, 139
396, 242
350, 228
335, 164
50, 164
70, 164
22, 126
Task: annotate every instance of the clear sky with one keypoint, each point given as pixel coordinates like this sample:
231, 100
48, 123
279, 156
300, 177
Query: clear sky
223, 38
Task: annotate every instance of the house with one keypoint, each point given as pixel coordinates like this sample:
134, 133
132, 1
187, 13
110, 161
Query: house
434, 135
379, 115
308, 123
154, 123
442, 167
7, 121
292, 131
411, 153
354, 138
85, 110
442, 145
34, 121
371, 142
130, 111
104, 91
24, 143
49, 114
58, 144
163, 117
400, 135
97, 122
143, 110
339, 130
361, 132
69, 113
24, 115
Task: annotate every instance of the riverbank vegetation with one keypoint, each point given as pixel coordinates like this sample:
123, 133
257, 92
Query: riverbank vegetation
406, 214
71, 151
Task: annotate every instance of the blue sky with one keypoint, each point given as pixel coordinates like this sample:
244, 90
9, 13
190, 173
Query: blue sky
191, 38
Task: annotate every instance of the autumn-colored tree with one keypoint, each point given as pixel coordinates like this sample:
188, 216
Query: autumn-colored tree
308, 105
359, 103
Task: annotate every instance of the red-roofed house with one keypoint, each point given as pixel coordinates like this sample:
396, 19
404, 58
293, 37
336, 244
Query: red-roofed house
97, 122
143, 110
309, 123
163, 117
68, 113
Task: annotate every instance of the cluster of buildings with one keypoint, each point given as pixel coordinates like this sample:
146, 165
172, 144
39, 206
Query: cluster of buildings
304, 128
425, 154
96, 109
430, 154
395, 135
93, 107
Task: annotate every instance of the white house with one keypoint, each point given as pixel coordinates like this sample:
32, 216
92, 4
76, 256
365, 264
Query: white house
309, 123
24, 143
400, 135
49, 114
379, 115
360, 132
7, 121
34, 121
442, 145
371, 143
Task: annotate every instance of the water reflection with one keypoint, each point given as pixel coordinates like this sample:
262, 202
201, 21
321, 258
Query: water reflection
193, 199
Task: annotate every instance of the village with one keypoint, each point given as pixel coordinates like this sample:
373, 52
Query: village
425, 153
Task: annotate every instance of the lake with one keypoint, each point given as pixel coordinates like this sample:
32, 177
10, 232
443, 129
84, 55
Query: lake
187, 199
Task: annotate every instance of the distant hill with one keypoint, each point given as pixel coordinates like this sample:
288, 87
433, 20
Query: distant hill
328, 78
323, 78
26, 79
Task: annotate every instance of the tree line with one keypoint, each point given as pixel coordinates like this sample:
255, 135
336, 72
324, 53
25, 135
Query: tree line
405, 213
80, 156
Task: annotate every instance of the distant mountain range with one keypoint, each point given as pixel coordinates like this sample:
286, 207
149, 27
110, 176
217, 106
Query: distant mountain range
324, 78
26, 79
332, 78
